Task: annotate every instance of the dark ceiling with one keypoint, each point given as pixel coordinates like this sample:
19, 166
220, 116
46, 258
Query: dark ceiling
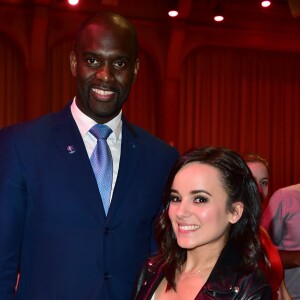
238, 13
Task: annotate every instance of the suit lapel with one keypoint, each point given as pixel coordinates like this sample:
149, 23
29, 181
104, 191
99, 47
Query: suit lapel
130, 156
71, 146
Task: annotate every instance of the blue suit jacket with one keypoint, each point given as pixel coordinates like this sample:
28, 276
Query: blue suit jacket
52, 224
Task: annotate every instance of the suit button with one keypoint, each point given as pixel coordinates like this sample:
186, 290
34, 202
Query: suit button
107, 276
106, 230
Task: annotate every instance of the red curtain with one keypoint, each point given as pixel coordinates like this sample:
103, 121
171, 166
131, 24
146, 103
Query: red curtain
244, 99
62, 85
12, 93
141, 107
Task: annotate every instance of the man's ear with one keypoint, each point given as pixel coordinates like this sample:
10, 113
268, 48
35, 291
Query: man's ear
238, 208
73, 63
136, 67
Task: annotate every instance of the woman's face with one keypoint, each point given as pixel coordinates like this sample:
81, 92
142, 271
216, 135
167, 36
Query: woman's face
261, 176
197, 207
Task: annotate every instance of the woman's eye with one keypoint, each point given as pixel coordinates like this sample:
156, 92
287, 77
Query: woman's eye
264, 183
174, 198
200, 199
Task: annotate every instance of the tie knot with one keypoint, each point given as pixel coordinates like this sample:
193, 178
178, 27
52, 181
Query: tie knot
100, 131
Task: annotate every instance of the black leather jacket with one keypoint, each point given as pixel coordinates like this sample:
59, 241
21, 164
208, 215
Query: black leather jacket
223, 283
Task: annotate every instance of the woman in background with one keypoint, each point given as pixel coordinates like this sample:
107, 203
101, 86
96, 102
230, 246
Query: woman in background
208, 232
259, 167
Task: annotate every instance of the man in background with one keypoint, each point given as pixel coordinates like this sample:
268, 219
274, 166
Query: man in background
282, 220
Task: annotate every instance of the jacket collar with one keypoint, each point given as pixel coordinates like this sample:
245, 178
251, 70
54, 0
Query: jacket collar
224, 276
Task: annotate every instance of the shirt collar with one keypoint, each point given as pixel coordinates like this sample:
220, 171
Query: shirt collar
85, 123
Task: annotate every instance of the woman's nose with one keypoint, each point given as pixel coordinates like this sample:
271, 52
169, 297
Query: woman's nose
183, 209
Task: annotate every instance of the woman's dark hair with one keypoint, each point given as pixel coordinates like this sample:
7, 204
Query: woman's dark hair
240, 186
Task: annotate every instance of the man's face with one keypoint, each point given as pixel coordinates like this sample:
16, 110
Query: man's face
105, 66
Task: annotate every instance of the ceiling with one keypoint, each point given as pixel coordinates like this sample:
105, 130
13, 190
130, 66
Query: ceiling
238, 13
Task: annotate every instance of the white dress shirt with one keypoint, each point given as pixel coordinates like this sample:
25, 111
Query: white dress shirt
85, 123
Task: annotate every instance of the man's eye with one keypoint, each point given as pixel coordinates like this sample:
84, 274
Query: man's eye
119, 64
92, 61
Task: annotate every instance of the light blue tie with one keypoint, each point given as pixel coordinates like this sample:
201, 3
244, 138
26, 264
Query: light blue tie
102, 163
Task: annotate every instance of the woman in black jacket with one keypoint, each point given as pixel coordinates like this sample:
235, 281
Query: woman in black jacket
207, 233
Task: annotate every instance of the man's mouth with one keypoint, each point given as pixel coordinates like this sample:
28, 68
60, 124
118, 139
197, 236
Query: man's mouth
103, 95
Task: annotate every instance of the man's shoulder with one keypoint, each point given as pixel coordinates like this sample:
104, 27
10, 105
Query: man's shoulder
31, 126
287, 191
284, 198
148, 139
291, 188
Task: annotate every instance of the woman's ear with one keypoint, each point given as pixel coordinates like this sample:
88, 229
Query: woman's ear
238, 208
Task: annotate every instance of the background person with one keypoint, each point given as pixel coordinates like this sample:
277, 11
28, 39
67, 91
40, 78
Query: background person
53, 226
259, 167
282, 218
207, 233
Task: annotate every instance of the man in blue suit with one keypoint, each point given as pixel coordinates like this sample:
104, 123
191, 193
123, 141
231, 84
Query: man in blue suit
53, 228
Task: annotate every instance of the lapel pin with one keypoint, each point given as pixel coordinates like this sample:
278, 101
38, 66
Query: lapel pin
71, 149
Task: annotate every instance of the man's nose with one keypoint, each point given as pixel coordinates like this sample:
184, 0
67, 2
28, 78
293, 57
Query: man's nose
105, 73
